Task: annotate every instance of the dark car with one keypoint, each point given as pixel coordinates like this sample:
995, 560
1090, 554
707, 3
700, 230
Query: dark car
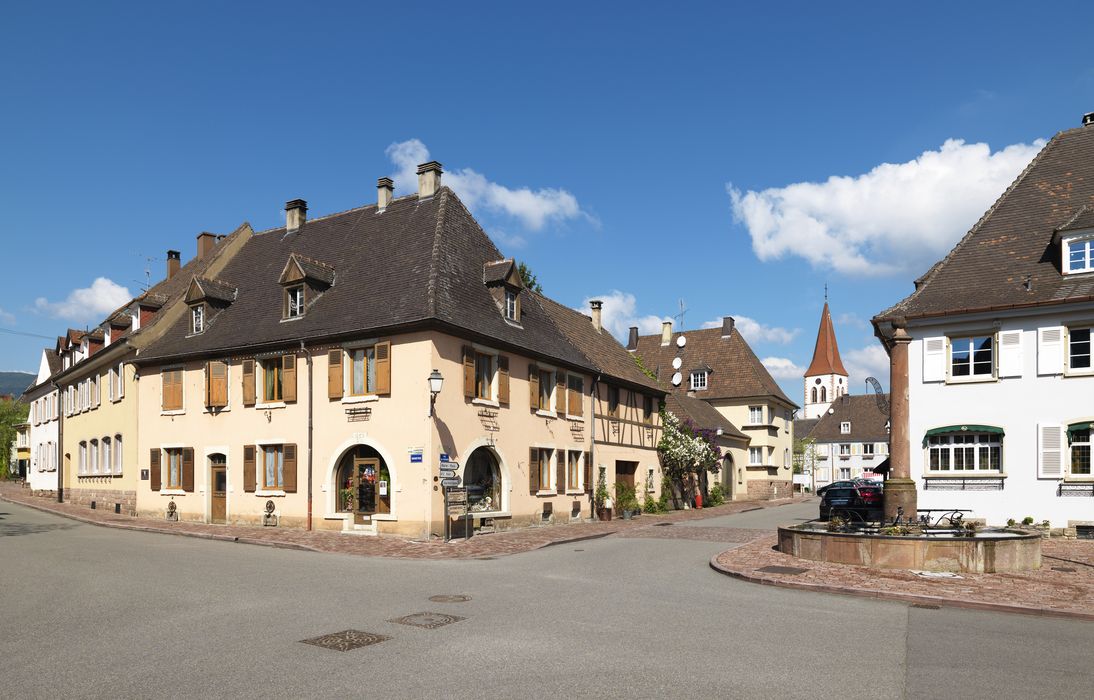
835, 484
855, 501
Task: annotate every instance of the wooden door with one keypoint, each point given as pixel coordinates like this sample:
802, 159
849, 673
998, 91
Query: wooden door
624, 472
219, 480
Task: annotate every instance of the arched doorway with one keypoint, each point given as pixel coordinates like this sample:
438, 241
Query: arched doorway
482, 478
364, 484
729, 478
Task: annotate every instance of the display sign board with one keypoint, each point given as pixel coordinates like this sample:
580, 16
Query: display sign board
444, 457
457, 500
448, 473
415, 457
803, 479
450, 482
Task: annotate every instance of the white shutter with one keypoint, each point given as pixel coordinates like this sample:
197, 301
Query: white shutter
121, 381
1010, 353
1050, 350
934, 359
1050, 452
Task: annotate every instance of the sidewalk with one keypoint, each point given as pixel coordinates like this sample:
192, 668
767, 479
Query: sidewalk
1063, 587
488, 545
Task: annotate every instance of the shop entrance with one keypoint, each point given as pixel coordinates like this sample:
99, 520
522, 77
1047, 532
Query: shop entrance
364, 484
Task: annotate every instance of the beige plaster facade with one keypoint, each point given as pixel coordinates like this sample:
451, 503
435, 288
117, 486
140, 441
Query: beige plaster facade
772, 440
394, 428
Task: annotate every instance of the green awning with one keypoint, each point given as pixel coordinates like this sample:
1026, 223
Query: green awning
949, 429
1078, 428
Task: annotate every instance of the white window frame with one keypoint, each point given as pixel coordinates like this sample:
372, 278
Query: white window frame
845, 427
947, 446
844, 450
493, 399
552, 407
1090, 458
991, 375
118, 454
698, 380
510, 305
1087, 239
752, 453
197, 319
1089, 369
752, 411
294, 308
93, 455
869, 450
552, 471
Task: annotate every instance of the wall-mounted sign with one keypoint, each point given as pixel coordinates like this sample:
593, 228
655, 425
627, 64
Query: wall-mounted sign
415, 457
450, 482
383, 488
444, 457
448, 473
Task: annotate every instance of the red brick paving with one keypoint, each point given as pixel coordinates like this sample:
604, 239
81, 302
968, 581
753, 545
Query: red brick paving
1050, 591
493, 545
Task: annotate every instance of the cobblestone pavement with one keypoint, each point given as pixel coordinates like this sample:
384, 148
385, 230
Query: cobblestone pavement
702, 534
1063, 587
489, 545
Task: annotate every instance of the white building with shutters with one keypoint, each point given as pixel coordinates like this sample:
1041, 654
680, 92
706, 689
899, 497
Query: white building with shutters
1000, 378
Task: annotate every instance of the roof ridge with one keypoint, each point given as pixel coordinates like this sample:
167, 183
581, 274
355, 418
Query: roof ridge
938, 266
438, 236
351, 210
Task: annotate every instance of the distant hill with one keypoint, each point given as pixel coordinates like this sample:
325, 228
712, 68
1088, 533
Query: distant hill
15, 383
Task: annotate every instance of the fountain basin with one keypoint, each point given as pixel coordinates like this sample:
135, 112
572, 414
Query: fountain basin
988, 551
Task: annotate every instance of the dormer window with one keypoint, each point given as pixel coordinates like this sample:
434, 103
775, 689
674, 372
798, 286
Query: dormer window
294, 302
510, 305
197, 319
698, 380
845, 427
1078, 254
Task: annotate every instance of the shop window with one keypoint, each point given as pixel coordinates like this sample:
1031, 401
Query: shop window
482, 478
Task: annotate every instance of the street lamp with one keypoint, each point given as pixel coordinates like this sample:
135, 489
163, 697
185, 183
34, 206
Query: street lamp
435, 382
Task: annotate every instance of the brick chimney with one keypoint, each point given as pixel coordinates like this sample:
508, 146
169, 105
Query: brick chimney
385, 188
429, 179
666, 332
727, 326
597, 306
206, 242
174, 262
632, 338
296, 211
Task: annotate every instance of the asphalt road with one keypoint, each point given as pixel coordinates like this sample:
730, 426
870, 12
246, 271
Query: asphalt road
97, 612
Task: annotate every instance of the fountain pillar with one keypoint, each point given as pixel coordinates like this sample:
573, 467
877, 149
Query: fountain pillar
900, 490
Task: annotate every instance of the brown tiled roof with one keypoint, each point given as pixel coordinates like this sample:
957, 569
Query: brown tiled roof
826, 358
315, 270
216, 289
497, 271
702, 414
418, 263
1083, 219
804, 426
1013, 241
601, 350
736, 371
53, 361
867, 421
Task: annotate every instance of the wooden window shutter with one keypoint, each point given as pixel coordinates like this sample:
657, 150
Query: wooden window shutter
154, 468
1050, 452
188, 469
533, 471
289, 485
248, 382
533, 386
503, 379
208, 383
588, 472
166, 390
288, 378
383, 367
560, 470
575, 399
218, 384
1050, 350
934, 359
561, 396
334, 374
468, 372
249, 468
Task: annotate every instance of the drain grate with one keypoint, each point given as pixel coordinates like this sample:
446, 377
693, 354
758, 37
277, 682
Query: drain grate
427, 620
926, 606
458, 598
791, 570
661, 524
346, 640
1065, 569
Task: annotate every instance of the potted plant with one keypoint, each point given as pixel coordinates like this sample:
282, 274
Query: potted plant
346, 498
601, 502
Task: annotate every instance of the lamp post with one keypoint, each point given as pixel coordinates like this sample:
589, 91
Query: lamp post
436, 381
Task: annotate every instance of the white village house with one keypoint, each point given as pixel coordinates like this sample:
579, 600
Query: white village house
992, 384
42, 417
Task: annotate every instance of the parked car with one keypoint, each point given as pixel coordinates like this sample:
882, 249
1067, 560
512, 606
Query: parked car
835, 484
858, 501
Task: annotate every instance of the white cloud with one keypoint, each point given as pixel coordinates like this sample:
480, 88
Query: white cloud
782, 368
756, 332
897, 218
534, 208
870, 361
620, 313
87, 304
6, 317
851, 319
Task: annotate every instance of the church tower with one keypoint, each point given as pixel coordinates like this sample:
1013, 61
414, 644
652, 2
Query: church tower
826, 378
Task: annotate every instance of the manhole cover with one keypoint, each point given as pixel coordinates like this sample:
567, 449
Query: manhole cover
1065, 569
791, 570
347, 640
661, 524
449, 598
926, 606
427, 620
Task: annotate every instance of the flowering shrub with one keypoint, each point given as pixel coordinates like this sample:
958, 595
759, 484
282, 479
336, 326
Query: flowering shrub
685, 449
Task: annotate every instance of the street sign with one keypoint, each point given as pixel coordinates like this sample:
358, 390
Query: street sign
448, 473
415, 457
444, 457
450, 482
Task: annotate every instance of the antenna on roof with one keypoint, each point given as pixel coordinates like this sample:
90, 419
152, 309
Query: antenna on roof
683, 310
147, 284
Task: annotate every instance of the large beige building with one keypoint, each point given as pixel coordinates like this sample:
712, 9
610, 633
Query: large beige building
298, 388
717, 366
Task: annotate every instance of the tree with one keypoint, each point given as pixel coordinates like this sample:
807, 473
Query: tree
684, 450
529, 278
12, 413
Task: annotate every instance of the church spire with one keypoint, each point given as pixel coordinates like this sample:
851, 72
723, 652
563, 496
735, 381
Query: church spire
826, 359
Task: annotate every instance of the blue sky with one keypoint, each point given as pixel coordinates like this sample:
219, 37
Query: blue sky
629, 153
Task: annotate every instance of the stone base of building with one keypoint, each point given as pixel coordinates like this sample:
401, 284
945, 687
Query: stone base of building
760, 489
104, 499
